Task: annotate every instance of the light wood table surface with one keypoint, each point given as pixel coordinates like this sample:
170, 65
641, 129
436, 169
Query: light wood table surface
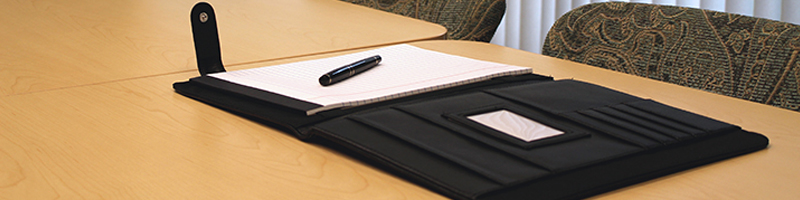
137, 138
50, 44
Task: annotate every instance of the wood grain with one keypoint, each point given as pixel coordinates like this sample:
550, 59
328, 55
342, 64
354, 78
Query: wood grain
48, 44
138, 139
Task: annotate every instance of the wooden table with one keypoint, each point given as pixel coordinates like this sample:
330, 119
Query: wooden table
136, 138
50, 44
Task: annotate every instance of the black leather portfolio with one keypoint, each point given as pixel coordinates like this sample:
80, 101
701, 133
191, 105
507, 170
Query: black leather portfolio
609, 140
603, 139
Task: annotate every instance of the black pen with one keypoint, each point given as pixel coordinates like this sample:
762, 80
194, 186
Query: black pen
347, 71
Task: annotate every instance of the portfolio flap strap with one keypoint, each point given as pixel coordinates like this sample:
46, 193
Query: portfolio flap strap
206, 39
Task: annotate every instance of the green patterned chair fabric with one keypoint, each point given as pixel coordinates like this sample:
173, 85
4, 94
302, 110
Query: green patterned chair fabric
744, 57
474, 20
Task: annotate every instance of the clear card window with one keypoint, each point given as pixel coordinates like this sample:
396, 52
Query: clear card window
515, 125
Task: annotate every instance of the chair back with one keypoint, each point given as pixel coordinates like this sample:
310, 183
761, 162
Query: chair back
739, 56
474, 20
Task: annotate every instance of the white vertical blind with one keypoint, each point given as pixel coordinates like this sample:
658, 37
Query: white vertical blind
688, 3
527, 21
789, 11
530, 23
770, 9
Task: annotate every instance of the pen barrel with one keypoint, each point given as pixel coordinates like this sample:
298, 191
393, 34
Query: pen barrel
350, 70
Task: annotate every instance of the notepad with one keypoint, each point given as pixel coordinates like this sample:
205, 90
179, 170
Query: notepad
405, 70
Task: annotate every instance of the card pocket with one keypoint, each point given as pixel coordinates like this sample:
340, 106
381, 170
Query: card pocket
665, 125
647, 123
690, 123
617, 128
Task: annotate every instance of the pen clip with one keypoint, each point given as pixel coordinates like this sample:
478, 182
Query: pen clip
206, 39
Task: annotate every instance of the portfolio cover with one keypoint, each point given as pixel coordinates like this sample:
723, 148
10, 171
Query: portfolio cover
608, 139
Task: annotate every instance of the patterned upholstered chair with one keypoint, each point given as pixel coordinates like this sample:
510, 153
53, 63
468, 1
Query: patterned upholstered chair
734, 55
474, 20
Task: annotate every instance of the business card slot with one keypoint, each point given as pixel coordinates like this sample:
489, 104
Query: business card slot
637, 125
593, 120
679, 130
707, 125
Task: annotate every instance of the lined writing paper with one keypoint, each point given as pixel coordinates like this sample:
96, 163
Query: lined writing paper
405, 70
